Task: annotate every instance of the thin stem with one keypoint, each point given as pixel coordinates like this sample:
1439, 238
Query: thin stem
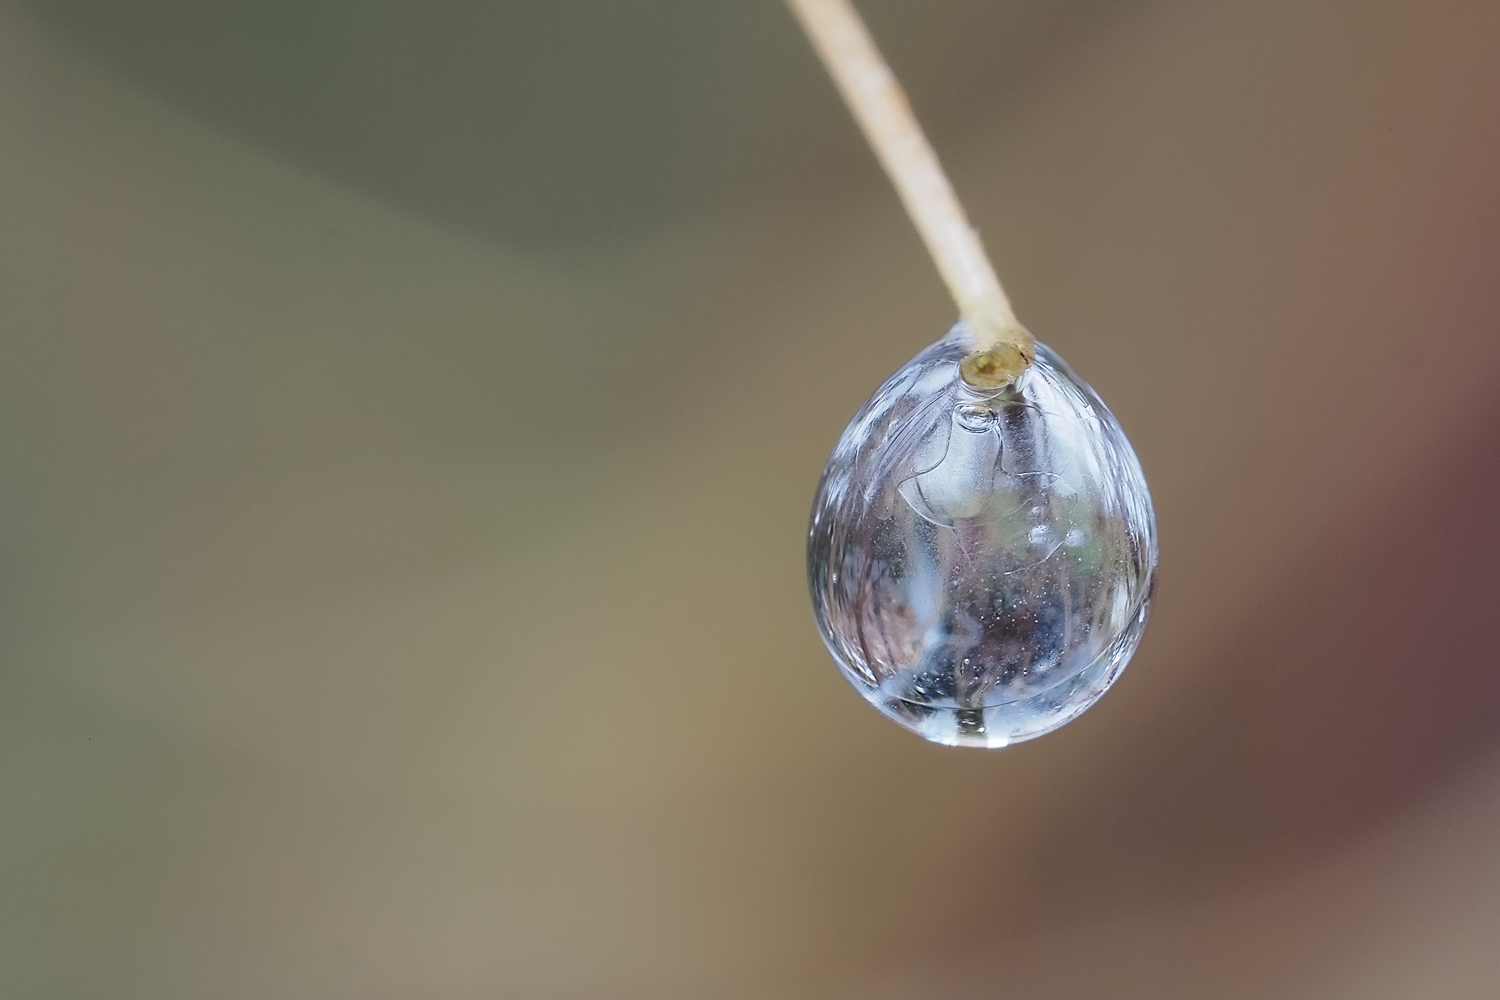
1003, 348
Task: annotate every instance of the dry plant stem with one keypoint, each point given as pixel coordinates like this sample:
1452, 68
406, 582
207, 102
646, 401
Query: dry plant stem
1003, 348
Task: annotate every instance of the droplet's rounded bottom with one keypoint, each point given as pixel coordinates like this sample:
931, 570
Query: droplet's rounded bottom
995, 726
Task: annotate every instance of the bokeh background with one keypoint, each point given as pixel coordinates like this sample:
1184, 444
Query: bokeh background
408, 419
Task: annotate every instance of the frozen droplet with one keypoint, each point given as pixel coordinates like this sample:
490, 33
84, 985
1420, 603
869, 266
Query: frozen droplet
982, 562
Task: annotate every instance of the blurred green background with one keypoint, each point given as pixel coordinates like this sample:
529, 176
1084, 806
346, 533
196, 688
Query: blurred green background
408, 420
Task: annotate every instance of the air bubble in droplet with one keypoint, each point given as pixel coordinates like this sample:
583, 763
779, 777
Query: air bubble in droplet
976, 418
982, 567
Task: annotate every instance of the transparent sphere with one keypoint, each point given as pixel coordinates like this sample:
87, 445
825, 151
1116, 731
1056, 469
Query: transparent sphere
982, 561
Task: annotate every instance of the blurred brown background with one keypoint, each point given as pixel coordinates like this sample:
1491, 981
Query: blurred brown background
408, 419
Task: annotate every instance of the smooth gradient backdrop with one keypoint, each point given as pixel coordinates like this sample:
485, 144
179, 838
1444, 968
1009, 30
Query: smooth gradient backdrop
409, 415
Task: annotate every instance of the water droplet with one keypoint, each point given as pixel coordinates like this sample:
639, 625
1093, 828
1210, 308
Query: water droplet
935, 553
